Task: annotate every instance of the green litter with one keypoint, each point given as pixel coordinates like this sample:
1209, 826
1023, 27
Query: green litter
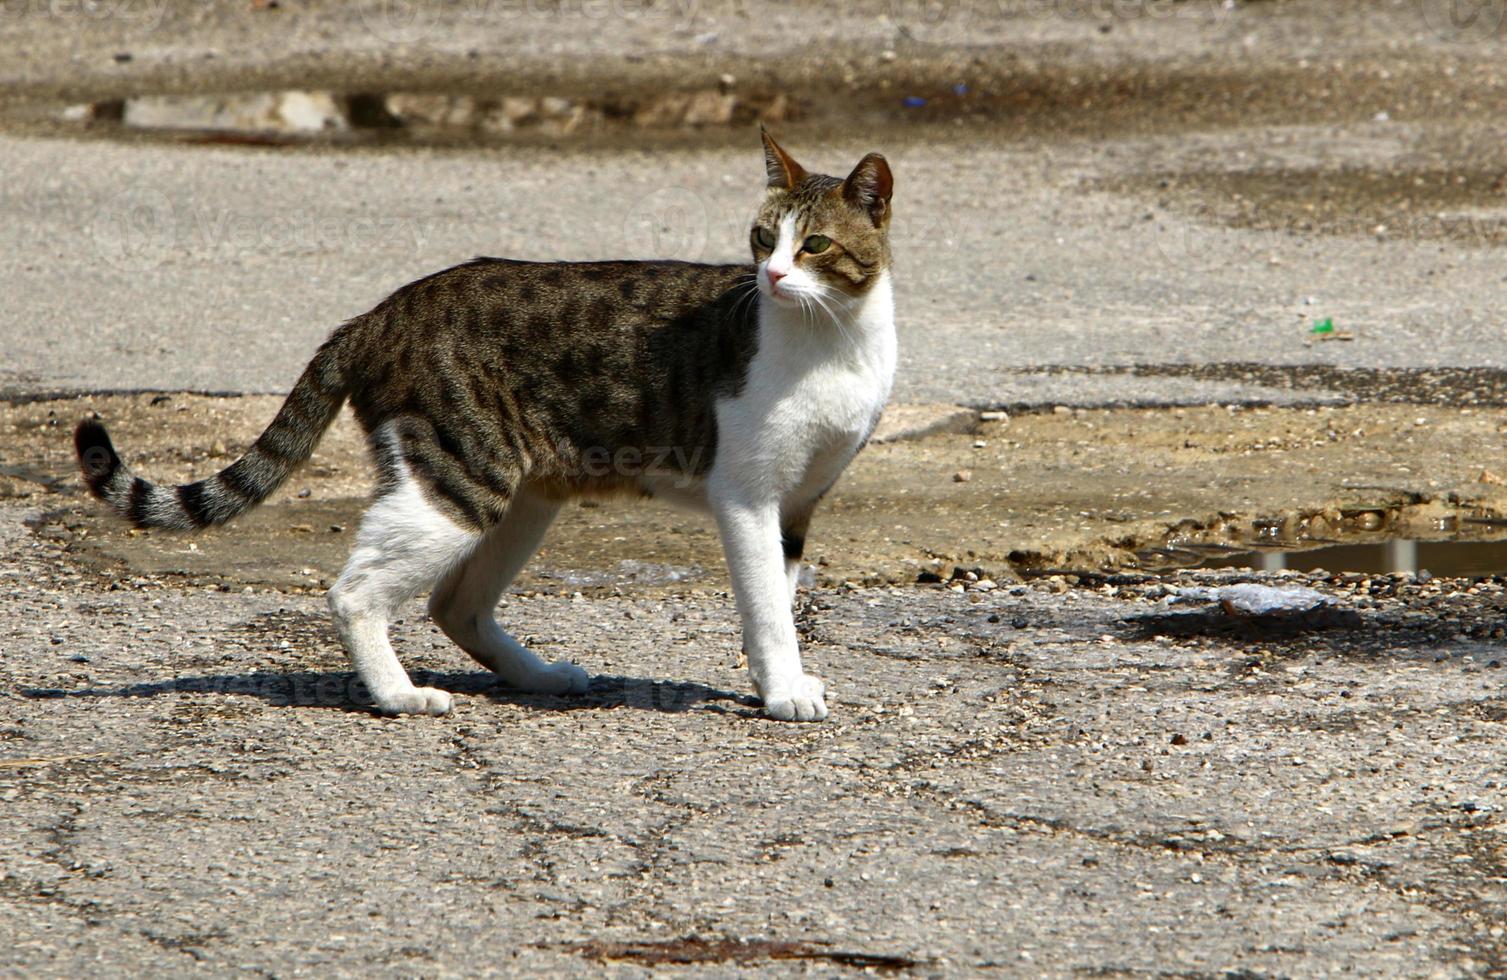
1325, 325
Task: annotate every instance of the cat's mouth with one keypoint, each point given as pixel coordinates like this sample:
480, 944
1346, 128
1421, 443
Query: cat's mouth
773, 291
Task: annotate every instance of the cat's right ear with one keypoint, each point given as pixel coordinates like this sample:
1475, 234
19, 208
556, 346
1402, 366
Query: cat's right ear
783, 171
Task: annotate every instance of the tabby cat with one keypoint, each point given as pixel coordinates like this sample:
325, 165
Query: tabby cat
493, 392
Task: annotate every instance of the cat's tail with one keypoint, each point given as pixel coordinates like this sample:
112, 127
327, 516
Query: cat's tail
308, 411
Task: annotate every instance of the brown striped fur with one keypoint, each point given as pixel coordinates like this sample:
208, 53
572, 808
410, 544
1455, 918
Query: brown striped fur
490, 371
496, 370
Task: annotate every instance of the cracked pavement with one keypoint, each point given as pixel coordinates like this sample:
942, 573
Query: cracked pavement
1034, 779
1069, 776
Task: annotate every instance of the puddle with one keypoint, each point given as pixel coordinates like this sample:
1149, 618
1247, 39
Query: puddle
1353, 541
1450, 559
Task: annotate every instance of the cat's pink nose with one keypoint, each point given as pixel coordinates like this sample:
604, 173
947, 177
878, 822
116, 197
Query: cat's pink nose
775, 275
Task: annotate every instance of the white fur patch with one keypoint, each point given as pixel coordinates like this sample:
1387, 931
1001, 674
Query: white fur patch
781, 260
815, 389
404, 546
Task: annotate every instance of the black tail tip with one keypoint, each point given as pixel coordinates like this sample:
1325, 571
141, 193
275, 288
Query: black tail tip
96, 456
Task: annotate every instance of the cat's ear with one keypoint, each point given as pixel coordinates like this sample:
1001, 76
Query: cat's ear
783, 171
869, 187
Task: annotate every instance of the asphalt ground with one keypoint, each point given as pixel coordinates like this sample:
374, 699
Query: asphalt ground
1128, 205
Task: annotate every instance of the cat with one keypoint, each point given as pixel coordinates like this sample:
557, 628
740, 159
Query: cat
494, 391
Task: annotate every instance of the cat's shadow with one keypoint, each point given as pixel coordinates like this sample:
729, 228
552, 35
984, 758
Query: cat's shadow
343, 691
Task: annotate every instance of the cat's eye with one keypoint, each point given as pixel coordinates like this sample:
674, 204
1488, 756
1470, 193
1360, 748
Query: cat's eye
816, 244
763, 237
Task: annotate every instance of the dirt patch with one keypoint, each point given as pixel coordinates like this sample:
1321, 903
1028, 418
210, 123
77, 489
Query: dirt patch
1066, 491
1440, 387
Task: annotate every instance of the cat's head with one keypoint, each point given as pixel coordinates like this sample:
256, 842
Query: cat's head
820, 238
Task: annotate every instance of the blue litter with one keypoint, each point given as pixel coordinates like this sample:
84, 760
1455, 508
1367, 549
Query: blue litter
914, 102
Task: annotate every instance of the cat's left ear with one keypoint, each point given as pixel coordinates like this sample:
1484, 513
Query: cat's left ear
869, 186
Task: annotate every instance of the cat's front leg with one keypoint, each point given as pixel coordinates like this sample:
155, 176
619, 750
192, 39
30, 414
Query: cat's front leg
751, 539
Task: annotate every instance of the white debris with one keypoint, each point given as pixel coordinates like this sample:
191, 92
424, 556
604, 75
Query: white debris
1249, 599
291, 111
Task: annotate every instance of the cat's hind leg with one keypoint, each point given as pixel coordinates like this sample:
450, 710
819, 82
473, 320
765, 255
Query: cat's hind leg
464, 604
405, 545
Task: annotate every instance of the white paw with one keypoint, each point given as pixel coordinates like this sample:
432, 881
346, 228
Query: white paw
563, 677
801, 700
416, 701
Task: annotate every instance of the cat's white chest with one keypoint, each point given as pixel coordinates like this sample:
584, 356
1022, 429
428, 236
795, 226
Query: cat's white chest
812, 395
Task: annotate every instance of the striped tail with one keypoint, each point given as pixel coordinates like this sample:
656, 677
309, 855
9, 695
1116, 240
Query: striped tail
308, 411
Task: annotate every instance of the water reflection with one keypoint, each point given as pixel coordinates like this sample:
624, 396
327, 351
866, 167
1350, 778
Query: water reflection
1450, 558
